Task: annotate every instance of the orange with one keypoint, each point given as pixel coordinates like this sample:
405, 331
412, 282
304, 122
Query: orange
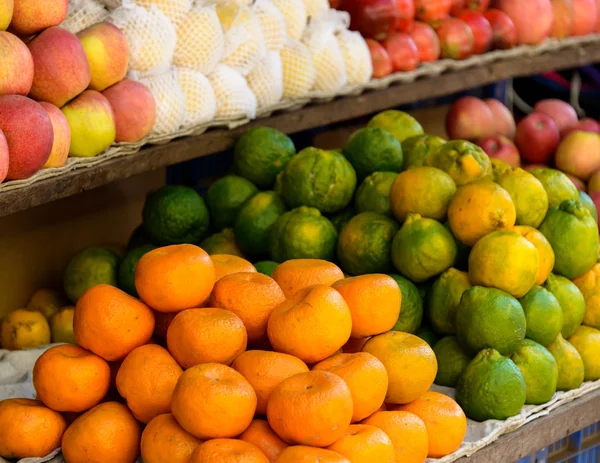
265, 370
174, 278
252, 297
545, 251
163, 321
445, 421
210, 335
111, 323
227, 264
164, 440
29, 429
69, 378
409, 361
146, 380
313, 408
312, 325
366, 377
406, 431
374, 302
305, 454
107, 432
354, 345
296, 274
260, 434
363, 443
228, 451
213, 400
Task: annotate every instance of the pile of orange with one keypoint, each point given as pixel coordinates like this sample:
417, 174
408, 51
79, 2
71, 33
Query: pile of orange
301, 367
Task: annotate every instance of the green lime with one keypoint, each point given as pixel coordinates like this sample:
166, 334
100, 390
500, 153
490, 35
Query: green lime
444, 298
90, 267
373, 194
570, 364
528, 195
260, 154
318, 178
452, 360
302, 233
340, 219
222, 242
254, 222
225, 198
491, 387
465, 162
558, 186
539, 369
266, 267
365, 244
138, 238
400, 124
175, 215
489, 317
373, 150
411, 308
426, 334
571, 302
423, 248
543, 314
499, 168
418, 148
587, 202
127, 268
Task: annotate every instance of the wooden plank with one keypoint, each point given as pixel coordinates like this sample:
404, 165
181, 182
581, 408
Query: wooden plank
311, 116
540, 433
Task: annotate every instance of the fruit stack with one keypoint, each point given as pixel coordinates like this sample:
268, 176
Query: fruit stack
269, 369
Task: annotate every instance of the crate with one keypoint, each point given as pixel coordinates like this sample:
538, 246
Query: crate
580, 447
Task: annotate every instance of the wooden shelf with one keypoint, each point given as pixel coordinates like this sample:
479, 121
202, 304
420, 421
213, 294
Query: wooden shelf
312, 116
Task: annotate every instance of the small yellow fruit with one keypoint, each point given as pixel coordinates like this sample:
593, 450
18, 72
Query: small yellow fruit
22, 329
61, 326
46, 301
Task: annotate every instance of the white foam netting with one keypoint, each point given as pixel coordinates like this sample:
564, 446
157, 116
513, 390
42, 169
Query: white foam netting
316, 7
151, 37
272, 24
111, 4
298, 70
234, 97
294, 14
175, 10
266, 81
357, 57
170, 101
200, 101
244, 40
200, 40
82, 14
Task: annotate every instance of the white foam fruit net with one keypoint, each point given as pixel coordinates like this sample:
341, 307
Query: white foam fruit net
266, 81
200, 101
151, 37
170, 101
316, 7
234, 98
200, 40
111, 4
82, 14
272, 24
244, 40
356, 57
297, 68
175, 10
294, 14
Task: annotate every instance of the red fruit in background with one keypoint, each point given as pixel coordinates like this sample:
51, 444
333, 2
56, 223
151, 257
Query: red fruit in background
579, 184
502, 148
503, 29
585, 17
469, 118
382, 65
406, 15
563, 18
481, 28
597, 28
432, 11
3, 157
403, 52
426, 40
537, 137
457, 6
504, 122
335, 3
456, 39
584, 125
372, 18
561, 112
532, 18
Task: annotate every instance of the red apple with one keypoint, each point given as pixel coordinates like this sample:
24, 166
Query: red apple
503, 28
562, 113
563, 18
579, 184
456, 39
597, 29
406, 15
432, 11
532, 18
584, 125
372, 18
504, 122
502, 148
335, 3
4, 161
426, 40
585, 17
457, 7
481, 28
537, 137
403, 52
382, 65
469, 118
